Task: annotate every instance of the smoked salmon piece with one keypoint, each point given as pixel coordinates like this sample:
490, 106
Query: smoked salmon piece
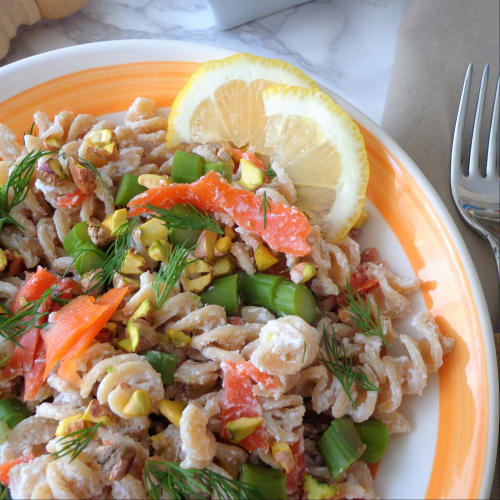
33, 287
238, 401
69, 323
286, 228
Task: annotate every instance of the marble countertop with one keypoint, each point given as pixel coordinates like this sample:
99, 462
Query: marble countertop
346, 45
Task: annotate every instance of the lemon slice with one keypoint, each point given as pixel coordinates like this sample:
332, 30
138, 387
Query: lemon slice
279, 111
322, 150
222, 100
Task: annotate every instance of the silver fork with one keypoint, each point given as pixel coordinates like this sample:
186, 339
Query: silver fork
477, 196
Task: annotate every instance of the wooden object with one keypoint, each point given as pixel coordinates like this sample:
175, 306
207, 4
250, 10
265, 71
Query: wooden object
55, 9
13, 13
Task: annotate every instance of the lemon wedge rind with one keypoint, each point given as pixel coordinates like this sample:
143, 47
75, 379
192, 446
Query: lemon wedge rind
213, 75
336, 134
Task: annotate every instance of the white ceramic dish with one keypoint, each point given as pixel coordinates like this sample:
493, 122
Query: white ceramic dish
451, 451
231, 13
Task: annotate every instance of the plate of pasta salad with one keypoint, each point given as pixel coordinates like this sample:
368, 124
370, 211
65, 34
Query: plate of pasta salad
220, 280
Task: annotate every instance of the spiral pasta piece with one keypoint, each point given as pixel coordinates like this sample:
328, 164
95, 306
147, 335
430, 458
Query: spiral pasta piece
145, 292
149, 128
395, 422
74, 479
366, 400
175, 307
80, 126
198, 373
243, 258
358, 483
315, 382
201, 320
197, 442
26, 480
27, 246
286, 345
26, 435
58, 128
117, 386
46, 234
351, 250
100, 369
221, 343
434, 345
128, 488
390, 295
9, 148
323, 284
283, 417
387, 371
415, 377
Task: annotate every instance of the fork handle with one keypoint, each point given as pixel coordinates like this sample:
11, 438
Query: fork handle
495, 245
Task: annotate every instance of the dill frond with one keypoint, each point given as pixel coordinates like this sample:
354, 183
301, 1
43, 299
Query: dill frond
168, 478
75, 442
361, 314
169, 273
265, 207
195, 220
15, 190
341, 366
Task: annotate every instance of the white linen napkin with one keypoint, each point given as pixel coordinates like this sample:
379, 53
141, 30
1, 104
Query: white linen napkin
436, 41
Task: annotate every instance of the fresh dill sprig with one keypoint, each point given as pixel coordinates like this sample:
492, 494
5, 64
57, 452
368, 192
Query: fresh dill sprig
14, 325
340, 365
195, 220
265, 207
162, 478
75, 442
60, 300
360, 314
15, 190
115, 256
30, 131
270, 173
169, 273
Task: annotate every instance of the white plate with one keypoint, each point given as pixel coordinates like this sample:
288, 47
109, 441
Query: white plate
451, 450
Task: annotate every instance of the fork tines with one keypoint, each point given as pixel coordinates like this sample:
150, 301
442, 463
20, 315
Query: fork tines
491, 162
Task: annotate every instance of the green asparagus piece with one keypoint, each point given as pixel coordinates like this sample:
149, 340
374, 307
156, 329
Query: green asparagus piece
127, 189
179, 236
164, 363
223, 292
340, 446
12, 411
270, 482
187, 167
375, 435
225, 169
78, 245
281, 296
294, 299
